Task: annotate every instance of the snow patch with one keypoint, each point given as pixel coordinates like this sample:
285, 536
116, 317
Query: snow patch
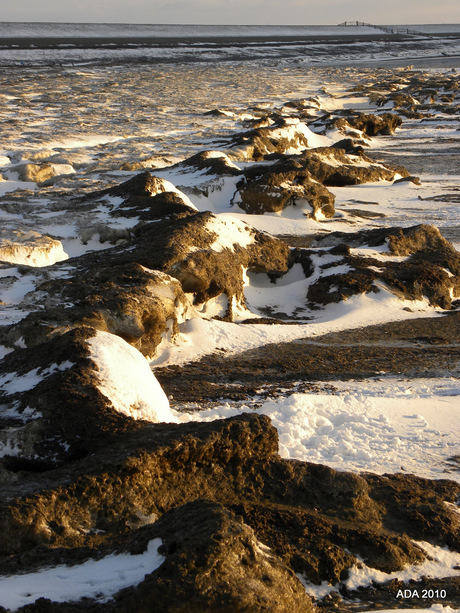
12, 383
125, 378
98, 579
381, 426
441, 563
199, 337
230, 231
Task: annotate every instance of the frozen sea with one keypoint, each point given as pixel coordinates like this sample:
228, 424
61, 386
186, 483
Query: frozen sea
63, 43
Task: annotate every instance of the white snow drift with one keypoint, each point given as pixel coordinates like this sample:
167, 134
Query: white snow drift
100, 579
125, 378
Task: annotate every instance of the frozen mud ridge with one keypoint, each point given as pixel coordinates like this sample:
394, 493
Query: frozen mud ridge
194, 350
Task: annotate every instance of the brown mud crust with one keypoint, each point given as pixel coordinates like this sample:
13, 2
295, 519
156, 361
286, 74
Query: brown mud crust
226, 508
422, 347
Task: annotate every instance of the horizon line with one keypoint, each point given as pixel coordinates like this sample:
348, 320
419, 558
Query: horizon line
284, 25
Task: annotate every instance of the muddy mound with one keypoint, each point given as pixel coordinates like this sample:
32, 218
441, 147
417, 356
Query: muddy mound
331, 166
373, 125
63, 398
214, 562
316, 521
303, 180
287, 182
431, 268
40, 172
145, 197
158, 206
418, 93
215, 163
207, 254
281, 137
137, 290
400, 241
128, 299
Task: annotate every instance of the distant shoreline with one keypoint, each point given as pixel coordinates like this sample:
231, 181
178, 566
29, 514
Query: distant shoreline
332, 46
118, 42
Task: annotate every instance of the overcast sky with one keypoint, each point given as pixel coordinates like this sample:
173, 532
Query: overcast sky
295, 12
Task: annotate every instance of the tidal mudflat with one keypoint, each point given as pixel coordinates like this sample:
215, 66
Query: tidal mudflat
229, 301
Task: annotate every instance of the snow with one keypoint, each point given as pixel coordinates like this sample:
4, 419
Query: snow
4, 351
297, 128
11, 186
219, 194
287, 295
18, 289
98, 579
199, 337
387, 425
125, 378
11, 383
229, 231
440, 563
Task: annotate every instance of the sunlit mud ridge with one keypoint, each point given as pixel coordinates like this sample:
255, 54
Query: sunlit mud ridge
260, 276
219, 521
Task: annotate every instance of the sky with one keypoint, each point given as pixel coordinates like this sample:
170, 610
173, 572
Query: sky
263, 12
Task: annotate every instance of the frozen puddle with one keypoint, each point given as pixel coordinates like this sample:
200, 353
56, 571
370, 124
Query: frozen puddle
100, 579
374, 426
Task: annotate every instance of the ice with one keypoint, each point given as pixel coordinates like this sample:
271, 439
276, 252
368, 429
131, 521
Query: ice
82, 140
31, 248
